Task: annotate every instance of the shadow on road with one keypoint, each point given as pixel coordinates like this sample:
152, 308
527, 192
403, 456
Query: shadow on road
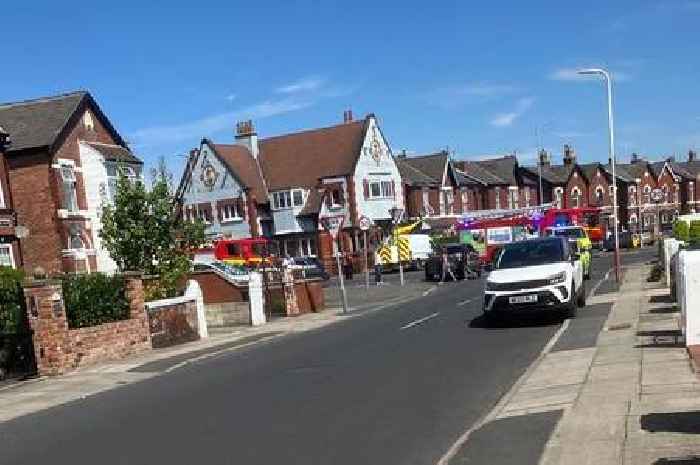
517, 321
690, 460
674, 422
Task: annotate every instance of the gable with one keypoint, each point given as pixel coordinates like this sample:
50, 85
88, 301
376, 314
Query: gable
209, 178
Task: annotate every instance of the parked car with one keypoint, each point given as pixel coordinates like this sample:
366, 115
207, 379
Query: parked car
311, 267
536, 274
625, 238
463, 259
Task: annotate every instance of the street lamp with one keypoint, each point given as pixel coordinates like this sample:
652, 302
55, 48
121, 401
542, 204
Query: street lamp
396, 214
611, 138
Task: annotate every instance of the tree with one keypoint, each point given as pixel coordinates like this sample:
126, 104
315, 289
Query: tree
143, 231
681, 231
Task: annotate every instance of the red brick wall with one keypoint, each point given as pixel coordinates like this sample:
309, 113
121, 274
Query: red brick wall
173, 324
59, 349
602, 181
576, 181
216, 289
34, 199
666, 181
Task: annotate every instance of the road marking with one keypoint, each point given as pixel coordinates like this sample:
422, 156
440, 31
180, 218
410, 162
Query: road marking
428, 291
465, 302
420, 320
597, 285
495, 411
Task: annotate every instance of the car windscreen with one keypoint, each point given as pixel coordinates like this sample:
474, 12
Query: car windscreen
570, 232
527, 253
453, 249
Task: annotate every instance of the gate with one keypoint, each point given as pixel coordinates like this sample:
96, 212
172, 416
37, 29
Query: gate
16, 345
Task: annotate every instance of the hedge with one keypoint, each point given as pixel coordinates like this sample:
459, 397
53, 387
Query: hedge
94, 299
681, 231
12, 303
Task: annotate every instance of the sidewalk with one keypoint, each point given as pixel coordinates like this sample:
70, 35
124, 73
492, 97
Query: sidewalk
633, 398
38, 394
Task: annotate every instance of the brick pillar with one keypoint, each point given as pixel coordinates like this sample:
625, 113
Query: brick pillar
47, 318
135, 297
290, 298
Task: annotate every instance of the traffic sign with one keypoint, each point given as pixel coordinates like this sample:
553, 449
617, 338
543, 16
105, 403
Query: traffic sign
365, 223
333, 224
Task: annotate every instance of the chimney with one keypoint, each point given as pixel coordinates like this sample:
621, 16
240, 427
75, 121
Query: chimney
246, 135
671, 159
692, 156
543, 158
402, 155
347, 116
569, 155
634, 158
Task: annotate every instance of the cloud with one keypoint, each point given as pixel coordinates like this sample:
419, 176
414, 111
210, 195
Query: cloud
307, 84
454, 96
231, 97
507, 119
571, 74
211, 124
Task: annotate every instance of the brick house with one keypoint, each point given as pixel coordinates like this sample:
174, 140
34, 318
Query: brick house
435, 189
9, 246
62, 163
689, 173
283, 184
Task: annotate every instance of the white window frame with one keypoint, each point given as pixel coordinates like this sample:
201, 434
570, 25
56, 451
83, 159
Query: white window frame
513, 197
559, 197
378, 185
647, 194
301, 197
577, 197
526, 194
497, 190
70, 241
2, 196
230, 208
72, 182
691, 191
281, 200
387, 189
599, 194
10, 254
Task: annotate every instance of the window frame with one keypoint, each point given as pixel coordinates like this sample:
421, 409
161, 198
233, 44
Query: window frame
10, 254
301, 198
69, 184
2, 195
278, 197
378, 185
227, 208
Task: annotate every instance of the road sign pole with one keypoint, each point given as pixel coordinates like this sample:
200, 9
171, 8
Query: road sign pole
341, 283
366, 262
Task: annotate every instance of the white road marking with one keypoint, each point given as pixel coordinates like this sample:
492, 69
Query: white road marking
495, 411
428, 291
420, 320
465, 302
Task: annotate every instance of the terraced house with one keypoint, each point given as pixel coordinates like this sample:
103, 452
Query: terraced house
279, 186
9, 245
61, 167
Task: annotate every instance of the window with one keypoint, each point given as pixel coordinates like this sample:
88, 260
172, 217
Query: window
75, 239
113, 172
375, 189
387, 189
449, 201
647, 194
2, 197
558, 196
70, 198
6, 258
676, 192
426, 201
512, 197
600, 195
633, 195
88, 123
498, 197
297, 197
336, 197
281, 199
230, 212
575, 197
691, 191
527, 197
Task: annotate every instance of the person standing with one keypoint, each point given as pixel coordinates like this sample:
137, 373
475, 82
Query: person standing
446, 266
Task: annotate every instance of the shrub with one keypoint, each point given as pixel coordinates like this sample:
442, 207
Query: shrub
681, 231
12, 303
694, 232
94, 299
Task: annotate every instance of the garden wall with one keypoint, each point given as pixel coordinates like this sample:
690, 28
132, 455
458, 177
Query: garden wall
173, 321
59, 349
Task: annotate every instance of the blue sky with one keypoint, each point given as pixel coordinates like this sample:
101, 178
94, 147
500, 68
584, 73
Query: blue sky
477, 77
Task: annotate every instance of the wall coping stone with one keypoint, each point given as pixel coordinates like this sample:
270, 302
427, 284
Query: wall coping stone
168, 302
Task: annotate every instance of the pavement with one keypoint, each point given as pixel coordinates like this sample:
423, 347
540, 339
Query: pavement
423, 380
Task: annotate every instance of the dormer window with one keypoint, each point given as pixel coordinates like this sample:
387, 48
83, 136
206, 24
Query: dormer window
287, 199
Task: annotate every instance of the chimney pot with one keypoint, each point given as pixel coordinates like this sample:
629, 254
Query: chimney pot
569, 155
692, 156
347, 116
544, 158
245, 129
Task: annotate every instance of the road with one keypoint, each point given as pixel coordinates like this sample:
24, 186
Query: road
395, 386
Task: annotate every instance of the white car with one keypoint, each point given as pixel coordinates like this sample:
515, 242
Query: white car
537, 274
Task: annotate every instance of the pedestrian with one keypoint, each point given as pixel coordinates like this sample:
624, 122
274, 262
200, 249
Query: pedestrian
446, 267
378, 273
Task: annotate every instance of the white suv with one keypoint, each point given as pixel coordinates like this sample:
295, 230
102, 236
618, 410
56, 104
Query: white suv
537, 274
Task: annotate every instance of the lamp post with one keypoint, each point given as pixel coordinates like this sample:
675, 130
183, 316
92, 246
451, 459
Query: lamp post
611, 139
396, 214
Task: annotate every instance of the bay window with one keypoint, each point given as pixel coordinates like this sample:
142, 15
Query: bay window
230, 212
287, 199
6, 258
70, 197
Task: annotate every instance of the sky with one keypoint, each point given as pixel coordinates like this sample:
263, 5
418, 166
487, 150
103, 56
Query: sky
479, 78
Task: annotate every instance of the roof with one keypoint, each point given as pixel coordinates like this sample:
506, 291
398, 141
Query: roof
503, 168
42, 121
432, 165
115, 153
555, 174
300, 159
476, 171
688, 169
313, 203
240, 161
413, 176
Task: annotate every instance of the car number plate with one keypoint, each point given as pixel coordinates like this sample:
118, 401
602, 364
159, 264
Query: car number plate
523, 299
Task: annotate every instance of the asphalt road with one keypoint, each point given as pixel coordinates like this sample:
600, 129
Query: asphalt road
395, 386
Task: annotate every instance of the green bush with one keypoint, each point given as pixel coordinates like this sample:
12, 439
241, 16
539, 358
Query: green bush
94, 299
12, 303
694, 232
681, 231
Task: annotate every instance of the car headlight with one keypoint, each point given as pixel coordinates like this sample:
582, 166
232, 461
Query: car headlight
557, 278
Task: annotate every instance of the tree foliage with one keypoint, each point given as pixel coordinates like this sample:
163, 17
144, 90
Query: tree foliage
143, 232
681, 231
